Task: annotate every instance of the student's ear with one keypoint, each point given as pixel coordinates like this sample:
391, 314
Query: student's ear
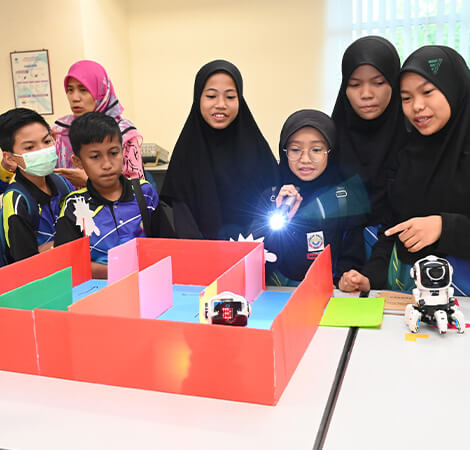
77, 162
9, 162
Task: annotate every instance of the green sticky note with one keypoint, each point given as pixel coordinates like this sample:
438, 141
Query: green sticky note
353, 312
51, 292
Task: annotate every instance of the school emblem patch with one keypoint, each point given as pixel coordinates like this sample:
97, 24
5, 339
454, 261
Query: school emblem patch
315, 241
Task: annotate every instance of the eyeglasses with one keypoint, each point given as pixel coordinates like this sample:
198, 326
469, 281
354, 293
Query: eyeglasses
316, 154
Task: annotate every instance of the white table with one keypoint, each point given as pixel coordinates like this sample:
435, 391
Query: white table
404, 395
45, 413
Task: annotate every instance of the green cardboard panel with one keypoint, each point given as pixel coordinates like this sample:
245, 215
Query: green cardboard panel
51, 292
353, 312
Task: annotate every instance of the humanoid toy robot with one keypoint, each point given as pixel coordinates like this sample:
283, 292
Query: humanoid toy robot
434, 296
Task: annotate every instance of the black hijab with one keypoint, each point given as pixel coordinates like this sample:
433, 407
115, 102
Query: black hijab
220, 174
370, 147
434, 172
296, 121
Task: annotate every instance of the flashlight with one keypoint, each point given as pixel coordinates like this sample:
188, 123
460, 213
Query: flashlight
279, 218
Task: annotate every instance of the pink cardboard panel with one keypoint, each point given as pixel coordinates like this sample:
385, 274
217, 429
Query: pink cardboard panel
156, 289
122, 260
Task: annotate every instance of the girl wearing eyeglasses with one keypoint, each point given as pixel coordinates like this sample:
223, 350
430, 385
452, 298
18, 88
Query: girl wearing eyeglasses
320, 203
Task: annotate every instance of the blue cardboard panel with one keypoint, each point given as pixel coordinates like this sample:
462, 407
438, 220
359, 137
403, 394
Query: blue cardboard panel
186, 303
186, 306
87, 288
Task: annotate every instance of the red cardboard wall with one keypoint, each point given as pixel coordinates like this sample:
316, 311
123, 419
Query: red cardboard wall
188, 265
17, 341
75, 254
297, 323
213, 361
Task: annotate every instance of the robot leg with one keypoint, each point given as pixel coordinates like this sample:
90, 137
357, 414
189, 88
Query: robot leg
412, 318
440, 317
458, 319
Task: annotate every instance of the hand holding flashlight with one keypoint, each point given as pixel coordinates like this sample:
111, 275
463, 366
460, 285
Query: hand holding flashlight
287, 203
289, 200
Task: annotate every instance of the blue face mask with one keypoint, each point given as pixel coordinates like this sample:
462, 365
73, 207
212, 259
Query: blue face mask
40, 162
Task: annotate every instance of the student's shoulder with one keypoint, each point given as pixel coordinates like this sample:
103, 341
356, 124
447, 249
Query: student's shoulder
69, 203
63, 185
146, 187
17, 201
79, 193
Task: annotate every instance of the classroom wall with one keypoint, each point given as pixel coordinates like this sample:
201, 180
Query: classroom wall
105, 31
152, 50
86, 29
276, 44
49, 24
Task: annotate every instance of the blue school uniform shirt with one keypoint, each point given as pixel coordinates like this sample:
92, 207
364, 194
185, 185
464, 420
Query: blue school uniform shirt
22, 235
114, 223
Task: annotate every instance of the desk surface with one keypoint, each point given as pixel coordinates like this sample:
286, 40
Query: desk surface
156, 168
404, 395
46, 413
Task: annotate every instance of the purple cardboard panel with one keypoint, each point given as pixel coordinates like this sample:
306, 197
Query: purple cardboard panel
122, 260
156, 289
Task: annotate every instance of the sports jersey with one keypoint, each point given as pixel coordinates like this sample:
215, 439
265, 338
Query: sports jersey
107, 223
26, 226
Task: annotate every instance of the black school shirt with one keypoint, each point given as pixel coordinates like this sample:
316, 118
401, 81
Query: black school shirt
326, 216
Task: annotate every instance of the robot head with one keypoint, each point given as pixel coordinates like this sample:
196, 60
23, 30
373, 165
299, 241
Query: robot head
432, 273
228, 308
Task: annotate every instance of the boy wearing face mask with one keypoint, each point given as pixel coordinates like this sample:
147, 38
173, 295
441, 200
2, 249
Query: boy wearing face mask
31, 200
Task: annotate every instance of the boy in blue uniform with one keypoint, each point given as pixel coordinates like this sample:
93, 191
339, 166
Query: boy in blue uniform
31, 200
108, 209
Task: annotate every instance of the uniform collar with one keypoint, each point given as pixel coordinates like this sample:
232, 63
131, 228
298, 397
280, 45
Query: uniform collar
126, 196
40, 196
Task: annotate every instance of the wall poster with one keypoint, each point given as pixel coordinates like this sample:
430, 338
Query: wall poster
32, 80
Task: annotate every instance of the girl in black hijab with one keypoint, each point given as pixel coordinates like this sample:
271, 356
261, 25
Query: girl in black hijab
369, 120
430, 196
319, 214
221, 162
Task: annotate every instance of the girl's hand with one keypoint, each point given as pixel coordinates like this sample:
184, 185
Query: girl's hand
77, 177
353, 281
418, 232
289, 190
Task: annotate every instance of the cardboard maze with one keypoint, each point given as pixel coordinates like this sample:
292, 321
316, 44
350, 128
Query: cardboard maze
112, 337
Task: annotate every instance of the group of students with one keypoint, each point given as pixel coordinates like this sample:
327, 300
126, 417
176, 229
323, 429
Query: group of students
384, 181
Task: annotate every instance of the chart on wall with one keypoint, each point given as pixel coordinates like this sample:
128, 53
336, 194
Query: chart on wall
32, 80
